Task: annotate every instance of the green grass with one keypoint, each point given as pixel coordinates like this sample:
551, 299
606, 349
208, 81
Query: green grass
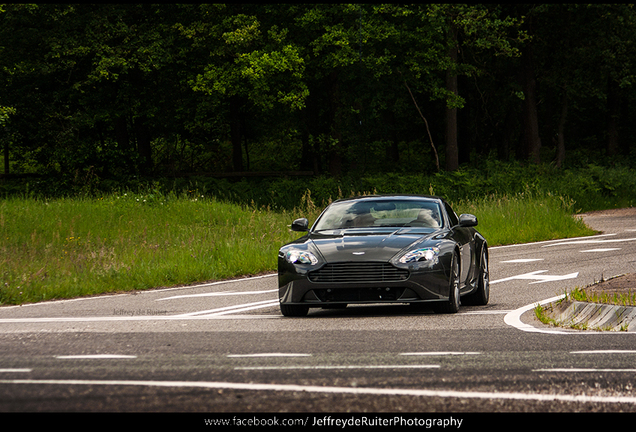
66, 248
580, 294
525, 217
71, 247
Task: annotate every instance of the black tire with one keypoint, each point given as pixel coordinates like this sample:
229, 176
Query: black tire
482, 295
452, 304
294, 310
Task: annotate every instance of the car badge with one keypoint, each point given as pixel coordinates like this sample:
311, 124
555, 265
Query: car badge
358, 253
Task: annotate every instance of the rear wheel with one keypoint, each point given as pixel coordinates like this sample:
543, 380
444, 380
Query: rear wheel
452, 304
294, 310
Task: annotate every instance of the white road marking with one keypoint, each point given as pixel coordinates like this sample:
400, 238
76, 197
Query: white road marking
590, 242
337, 367
149, 291
575, 370
604, 352
601, 250
97, 356
541, 397
439, 353
514, 319
546, 241
207, 314
539, 278
218, 294
15, 370
230, 309
527, 260
487, 312
269, 355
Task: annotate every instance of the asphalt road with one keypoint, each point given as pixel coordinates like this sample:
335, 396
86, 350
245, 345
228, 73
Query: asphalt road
225, 348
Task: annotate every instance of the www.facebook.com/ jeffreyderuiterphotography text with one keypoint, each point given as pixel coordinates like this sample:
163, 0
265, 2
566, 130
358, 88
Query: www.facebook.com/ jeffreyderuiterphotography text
342, 422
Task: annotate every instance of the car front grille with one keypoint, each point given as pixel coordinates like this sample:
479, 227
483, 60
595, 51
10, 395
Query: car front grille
352, 272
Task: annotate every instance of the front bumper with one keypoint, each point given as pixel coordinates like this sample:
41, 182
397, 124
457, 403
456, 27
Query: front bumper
316, 287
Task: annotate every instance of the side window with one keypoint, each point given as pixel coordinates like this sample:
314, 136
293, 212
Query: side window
454, 220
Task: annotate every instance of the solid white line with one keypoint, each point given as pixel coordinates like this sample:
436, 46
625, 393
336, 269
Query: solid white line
514, 319
591, 241
97, 356
604, 352
337, 367
547, 241
148, 291
207, 314
15, 370
218, 294
343, 390
582, 370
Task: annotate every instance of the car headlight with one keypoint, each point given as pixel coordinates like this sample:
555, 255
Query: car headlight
423, 254
294, 256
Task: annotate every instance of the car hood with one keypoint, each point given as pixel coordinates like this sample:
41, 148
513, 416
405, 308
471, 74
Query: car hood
367, 245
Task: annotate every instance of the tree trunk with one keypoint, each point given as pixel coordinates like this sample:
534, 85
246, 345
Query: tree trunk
143, 144
6, 155
335, 150
121, 133
531, 136
236, 134
613, 114
560, 154
452, 152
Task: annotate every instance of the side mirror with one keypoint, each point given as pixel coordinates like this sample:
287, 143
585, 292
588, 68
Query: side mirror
467, 220
301, 224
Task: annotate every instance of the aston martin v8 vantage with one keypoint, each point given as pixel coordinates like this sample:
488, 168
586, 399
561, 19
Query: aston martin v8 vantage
384, 249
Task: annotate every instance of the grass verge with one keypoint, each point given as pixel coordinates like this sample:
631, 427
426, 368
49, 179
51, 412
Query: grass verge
71, 247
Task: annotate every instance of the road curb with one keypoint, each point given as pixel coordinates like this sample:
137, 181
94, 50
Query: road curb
594, 316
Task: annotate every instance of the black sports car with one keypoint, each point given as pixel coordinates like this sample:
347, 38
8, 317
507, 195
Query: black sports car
384, 249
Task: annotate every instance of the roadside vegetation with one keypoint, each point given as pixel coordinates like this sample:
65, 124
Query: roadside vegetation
95, 242
616, 291
618, 299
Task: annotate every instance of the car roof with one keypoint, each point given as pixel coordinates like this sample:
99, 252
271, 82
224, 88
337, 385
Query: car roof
392, 196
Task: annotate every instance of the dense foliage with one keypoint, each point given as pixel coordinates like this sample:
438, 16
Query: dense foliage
92, 93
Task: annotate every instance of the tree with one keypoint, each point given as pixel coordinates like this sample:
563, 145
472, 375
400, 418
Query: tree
248, 63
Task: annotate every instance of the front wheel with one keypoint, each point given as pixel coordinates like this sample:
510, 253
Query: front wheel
294, 310
482, 295
452, 304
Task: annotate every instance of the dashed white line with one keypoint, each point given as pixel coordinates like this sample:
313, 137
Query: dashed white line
9, 370
268, 355
97, 356
439, 353
332, 367
526, 260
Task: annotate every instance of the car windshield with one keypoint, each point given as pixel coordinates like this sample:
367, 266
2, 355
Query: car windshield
380, 213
